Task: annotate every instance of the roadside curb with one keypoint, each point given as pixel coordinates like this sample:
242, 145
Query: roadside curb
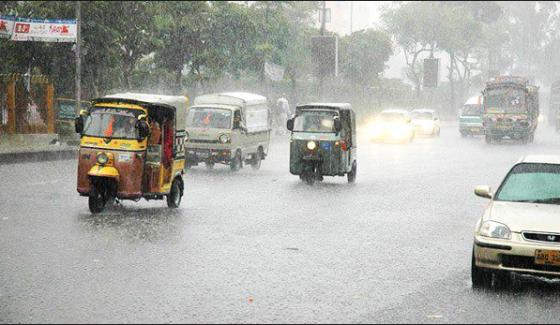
38, 156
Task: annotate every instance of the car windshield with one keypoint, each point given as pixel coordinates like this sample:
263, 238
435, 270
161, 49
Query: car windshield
392, 117
112, 123
207, 117
422, 115
472, 110
535, 183
315, 121
506, 100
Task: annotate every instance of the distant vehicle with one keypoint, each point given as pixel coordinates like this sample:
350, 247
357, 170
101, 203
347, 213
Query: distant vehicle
392, 125
470, 120
426, 122
511, 109
323, 142
228, 128
131, 148
520, 230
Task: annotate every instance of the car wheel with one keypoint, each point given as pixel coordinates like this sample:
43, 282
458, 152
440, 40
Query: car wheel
481, 279
175, 195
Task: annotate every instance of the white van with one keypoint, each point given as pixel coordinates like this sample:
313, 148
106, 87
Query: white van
228, 128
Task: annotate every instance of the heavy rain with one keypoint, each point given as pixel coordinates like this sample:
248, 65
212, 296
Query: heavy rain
279, 162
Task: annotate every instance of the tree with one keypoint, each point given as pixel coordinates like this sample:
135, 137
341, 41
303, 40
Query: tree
363, 55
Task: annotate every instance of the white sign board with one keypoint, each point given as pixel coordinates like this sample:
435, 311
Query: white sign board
44, 30
6, 26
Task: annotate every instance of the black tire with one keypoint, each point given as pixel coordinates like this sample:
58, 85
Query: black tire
257, 160
481, 279
488, 139
175, 195
96, 201
210, 165
532, 138
464, 134
352, 174
237, 163
438, 133
309, 179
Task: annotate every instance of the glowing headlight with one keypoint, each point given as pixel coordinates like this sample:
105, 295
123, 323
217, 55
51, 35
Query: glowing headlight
311, 145
494, 229
102, 158
224, 138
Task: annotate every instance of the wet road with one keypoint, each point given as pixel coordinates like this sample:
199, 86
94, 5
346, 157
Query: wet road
259, 246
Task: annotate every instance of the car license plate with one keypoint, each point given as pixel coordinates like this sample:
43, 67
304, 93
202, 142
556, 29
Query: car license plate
476, 130
547, 257
203, 154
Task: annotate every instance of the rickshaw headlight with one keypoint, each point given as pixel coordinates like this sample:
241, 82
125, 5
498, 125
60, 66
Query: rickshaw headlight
102, 158
311, 145
224, 138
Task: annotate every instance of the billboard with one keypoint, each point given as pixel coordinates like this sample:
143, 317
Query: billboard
6, 26
324, 50
40, 30
431, 73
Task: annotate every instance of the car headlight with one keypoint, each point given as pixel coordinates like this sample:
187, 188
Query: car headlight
311, 145
102, 158
224, 138
494, 229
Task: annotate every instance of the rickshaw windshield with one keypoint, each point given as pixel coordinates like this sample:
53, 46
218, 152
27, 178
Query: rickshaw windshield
315, 121
112, 123
206, 117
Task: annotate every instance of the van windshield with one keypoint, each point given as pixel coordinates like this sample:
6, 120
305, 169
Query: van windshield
472, 110
208, 117
315, 121
112, 123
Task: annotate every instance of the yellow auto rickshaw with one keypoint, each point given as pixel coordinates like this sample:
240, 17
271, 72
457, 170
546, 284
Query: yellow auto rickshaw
132, 147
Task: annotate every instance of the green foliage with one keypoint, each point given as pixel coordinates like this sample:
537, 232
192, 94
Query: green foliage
363, 55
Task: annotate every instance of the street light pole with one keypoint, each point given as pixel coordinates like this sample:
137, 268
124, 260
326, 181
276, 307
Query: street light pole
78, 57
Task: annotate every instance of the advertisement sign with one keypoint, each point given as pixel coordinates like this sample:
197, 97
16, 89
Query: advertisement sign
6, 26
44, 30
431, 73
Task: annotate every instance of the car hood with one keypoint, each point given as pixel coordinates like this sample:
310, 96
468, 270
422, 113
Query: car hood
525, 216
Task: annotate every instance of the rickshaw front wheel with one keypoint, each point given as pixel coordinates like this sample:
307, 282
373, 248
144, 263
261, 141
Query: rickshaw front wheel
174, 196
96, 201
352, 174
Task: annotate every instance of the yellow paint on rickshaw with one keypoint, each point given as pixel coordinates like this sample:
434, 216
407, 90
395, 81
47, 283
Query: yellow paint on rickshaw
117, 144
104, 171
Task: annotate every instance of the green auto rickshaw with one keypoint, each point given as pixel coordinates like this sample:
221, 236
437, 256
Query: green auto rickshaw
323, 142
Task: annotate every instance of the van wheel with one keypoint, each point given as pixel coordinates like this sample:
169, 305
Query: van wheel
96, 201
352, 174
237, 163
257, 160
481, 279
175, 195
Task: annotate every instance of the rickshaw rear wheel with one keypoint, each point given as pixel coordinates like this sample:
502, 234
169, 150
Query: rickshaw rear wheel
352, 174
256, 161
175, 195
96, 201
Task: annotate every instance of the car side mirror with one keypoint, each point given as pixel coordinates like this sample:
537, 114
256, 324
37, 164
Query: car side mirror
143, 129
337, 125
290, 124
483, 191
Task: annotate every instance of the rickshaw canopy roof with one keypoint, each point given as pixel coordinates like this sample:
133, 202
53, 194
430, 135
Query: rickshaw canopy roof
338, 106
178, 103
